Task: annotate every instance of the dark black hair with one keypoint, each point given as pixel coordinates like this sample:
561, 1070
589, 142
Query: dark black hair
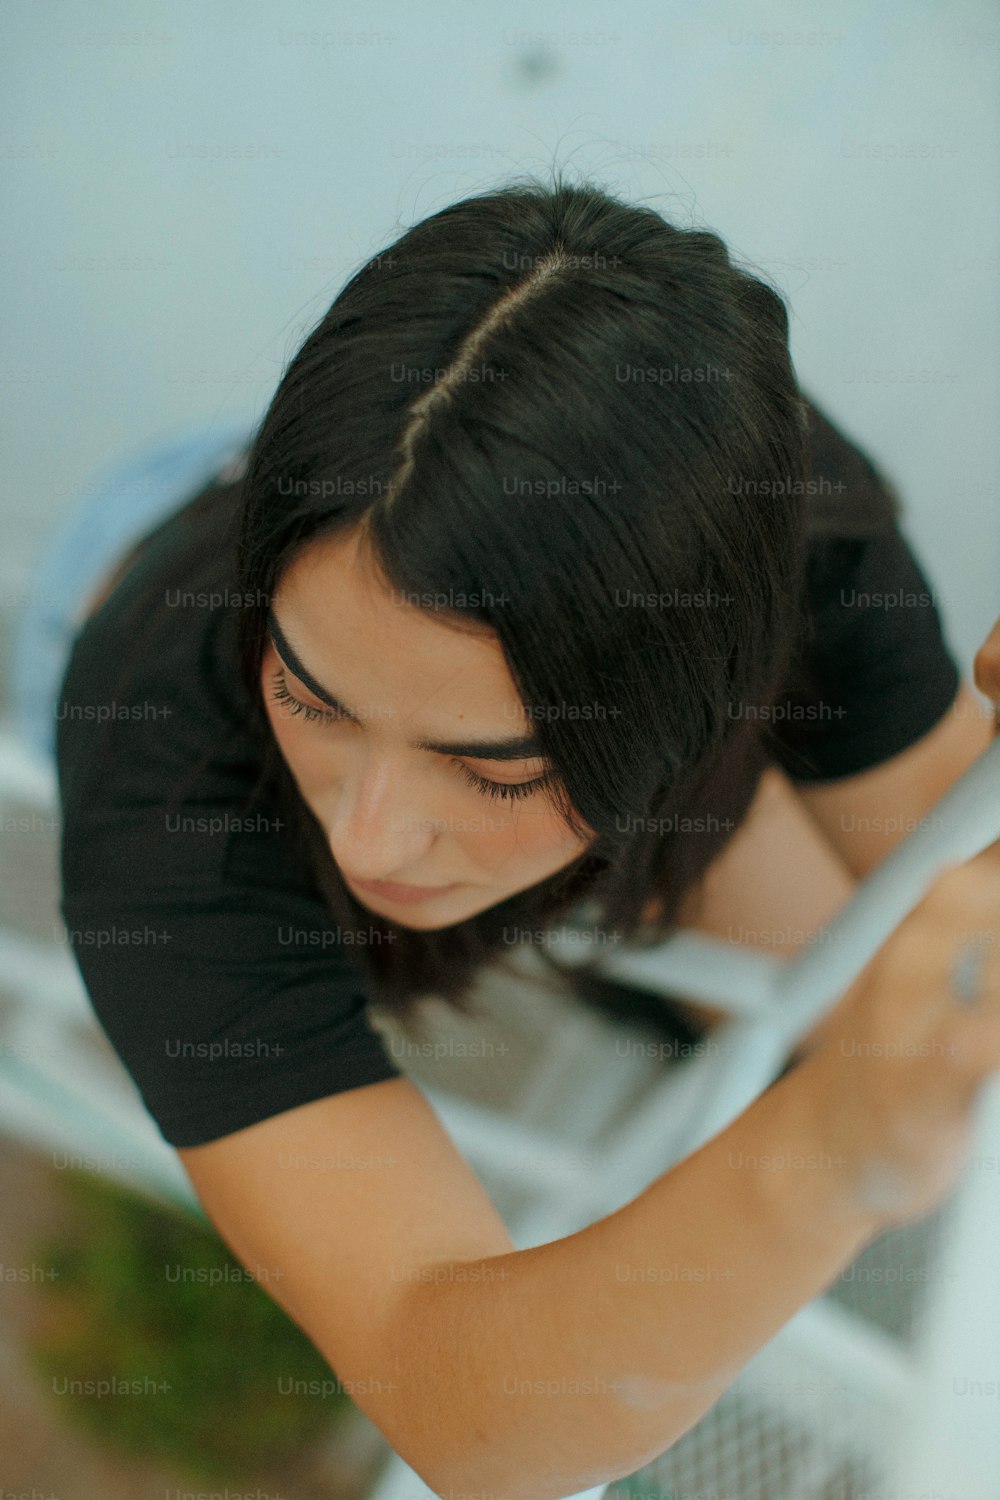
604, 410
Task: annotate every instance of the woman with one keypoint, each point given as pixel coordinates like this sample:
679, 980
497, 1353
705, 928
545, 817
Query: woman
543, 592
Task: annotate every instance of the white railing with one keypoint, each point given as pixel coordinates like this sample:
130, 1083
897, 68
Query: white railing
882, 1405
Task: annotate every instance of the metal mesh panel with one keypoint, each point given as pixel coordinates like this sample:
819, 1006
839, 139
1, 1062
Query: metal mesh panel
746, 1450
800, 1422
890, 1281
790, 1427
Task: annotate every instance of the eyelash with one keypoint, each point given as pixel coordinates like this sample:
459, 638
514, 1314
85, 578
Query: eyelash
279, 690
506, 790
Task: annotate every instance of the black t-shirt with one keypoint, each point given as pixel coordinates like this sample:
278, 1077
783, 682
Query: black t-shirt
208, 953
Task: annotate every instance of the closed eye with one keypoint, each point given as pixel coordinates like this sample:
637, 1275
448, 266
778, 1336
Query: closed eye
279, 691
504, 790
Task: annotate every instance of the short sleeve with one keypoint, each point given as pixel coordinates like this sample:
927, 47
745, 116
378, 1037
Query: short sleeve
876, 673
204, 943
227, 1003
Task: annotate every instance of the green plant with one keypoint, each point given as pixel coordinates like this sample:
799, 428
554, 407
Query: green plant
148, 1296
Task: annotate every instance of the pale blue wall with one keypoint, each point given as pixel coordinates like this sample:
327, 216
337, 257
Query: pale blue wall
210, 270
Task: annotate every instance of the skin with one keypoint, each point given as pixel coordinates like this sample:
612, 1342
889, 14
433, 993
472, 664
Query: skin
393, 812
522, 831
986, 667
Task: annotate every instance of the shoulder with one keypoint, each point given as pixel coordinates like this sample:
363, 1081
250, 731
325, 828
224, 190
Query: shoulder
151, 700
849, 494
873, 669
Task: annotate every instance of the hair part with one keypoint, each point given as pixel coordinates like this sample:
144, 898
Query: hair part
546, 482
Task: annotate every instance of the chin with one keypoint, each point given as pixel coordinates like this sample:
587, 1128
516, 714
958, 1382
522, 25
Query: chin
430, 924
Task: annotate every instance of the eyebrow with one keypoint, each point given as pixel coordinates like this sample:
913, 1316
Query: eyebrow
527, 747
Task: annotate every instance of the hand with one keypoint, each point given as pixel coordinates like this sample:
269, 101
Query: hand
905, 1061
986, 665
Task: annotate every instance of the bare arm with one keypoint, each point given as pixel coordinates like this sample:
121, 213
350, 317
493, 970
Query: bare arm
583, 1359
533, 1374
865, 816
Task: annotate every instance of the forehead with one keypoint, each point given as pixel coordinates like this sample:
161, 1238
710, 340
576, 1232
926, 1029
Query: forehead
359, 633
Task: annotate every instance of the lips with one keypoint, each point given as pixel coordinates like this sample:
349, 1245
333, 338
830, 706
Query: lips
390, 891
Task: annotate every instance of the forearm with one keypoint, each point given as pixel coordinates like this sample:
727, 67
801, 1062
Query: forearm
578, 1361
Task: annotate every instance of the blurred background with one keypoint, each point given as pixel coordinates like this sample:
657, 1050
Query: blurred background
186, 187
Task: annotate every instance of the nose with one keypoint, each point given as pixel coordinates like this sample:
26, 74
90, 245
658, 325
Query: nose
377, 829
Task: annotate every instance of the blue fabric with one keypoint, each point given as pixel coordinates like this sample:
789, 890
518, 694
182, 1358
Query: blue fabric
124, 504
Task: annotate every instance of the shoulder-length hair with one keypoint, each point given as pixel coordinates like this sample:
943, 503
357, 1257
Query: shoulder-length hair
579, 427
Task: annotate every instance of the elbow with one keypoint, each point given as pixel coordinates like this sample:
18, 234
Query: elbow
483, 1471
496, 1474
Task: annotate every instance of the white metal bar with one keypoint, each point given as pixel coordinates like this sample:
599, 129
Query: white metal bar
694, 966
949, 1441
964, 1325
961, 824
89, 1124
498, 1143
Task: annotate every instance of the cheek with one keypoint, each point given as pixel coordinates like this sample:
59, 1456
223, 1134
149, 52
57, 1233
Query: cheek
528, 833
528, 836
